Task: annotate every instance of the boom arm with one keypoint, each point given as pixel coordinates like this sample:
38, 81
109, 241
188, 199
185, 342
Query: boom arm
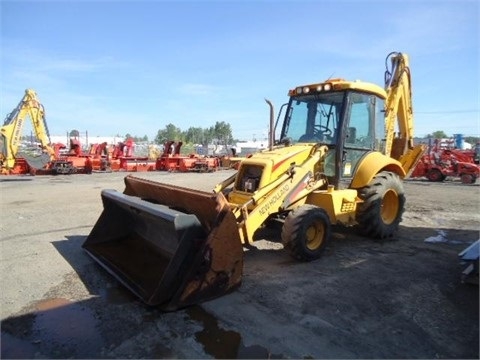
11, 131
398, 110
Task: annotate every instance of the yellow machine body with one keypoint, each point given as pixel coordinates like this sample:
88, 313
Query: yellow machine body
343, 150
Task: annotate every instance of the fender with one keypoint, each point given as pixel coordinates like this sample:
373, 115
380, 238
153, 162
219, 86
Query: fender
371, 164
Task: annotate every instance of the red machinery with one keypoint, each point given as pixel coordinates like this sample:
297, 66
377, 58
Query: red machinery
171, 160
438, 163
100, 157
124, 160
76, 157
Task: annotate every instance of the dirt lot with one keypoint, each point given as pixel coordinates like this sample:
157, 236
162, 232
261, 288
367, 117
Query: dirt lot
363, 299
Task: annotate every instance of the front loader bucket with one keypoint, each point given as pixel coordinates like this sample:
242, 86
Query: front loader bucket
171, 246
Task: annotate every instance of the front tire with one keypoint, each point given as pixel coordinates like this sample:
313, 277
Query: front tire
383, 204
306, 232
435, 175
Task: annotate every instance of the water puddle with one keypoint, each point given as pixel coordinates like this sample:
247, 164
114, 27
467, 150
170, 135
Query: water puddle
67, 324
57, 328
224, 344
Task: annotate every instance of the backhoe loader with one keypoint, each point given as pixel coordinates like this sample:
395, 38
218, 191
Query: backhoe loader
10, 139
343, 149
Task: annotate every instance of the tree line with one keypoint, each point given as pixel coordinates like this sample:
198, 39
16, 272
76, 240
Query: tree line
220, 133
439, 134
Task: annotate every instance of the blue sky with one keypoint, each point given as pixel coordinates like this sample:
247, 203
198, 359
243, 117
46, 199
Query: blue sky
118, 67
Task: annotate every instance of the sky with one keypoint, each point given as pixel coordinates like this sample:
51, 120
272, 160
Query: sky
132, 67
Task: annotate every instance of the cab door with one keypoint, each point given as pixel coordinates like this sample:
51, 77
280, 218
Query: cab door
363, 131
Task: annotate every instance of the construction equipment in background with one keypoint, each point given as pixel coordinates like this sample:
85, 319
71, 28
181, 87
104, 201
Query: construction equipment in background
119, 157
439, 163
124, 159
82, 162
42, 160
476, 153
172, 160
343, 150
100, 157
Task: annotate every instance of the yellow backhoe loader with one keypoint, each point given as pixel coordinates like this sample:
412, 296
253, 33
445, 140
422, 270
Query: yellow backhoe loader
11, 135
343, 150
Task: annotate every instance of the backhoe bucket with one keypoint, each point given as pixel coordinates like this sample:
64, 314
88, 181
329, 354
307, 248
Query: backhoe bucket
171, 246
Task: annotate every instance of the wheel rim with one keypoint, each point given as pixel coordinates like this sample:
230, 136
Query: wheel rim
434, 175
390, 206
315, 234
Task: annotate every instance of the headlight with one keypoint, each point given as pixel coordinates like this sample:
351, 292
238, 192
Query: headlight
319, 88
327, 87
299, 90
306, 90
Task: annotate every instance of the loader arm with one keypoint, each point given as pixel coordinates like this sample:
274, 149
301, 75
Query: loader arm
11, 131
287, 191
399, 111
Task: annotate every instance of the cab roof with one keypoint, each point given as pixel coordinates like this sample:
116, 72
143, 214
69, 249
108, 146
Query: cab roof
338, 85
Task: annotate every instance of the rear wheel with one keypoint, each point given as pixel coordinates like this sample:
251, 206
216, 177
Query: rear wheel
468, 178
383, 203
306, 232
435, 175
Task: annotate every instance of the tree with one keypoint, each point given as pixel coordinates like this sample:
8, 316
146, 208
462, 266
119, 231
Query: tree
439, 134
194, 135
472, 139
223, 132
136, 138
208, 136
171, 132
74, 133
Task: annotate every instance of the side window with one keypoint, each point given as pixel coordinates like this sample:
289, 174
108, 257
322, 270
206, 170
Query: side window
359, 131
298, 120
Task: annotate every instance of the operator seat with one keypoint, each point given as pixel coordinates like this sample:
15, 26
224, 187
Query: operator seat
306, 138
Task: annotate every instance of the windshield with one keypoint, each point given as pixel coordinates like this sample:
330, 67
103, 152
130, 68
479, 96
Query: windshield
314, 118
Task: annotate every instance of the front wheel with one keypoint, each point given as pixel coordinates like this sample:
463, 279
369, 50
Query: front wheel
306, 232
435, 175
383, 204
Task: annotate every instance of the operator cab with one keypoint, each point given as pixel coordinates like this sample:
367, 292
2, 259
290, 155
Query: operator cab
347, 117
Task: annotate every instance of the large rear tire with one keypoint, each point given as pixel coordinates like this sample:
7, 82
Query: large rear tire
306, 232
383, 204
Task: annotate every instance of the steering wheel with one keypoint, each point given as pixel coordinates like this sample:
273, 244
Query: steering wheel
320, 133
322, 130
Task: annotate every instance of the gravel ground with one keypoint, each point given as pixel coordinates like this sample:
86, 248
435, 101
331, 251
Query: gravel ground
401, 298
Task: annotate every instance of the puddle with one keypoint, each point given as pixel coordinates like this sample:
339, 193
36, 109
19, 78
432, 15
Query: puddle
60, 322
224, 344
55, 328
